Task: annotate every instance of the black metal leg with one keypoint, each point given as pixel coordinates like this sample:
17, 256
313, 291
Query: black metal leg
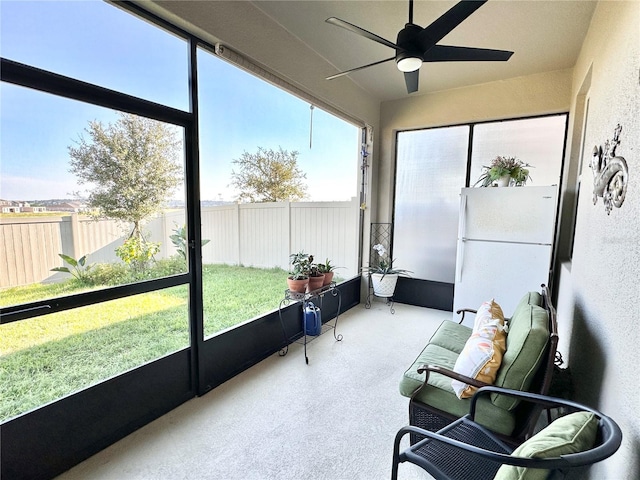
284, 350
304, 332
396, 455
337, 293
304, 298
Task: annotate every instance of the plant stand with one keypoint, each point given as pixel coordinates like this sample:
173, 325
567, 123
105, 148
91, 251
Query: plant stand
371, 294
305, 298
381, 233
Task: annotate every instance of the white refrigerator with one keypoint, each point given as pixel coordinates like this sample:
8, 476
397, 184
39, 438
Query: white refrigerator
505, 243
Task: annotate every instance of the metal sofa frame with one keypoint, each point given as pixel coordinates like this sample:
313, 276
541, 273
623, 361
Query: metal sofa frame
430, 418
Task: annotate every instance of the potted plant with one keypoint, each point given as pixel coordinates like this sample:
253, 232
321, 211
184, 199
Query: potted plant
502, 171
298, 278
316, 277
383, 276
327, 269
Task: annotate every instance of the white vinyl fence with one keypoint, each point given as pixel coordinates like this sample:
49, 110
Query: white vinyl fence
257, 234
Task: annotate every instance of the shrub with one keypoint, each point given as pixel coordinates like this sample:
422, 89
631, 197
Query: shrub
110, 274
179, 240
137, 252
79, 268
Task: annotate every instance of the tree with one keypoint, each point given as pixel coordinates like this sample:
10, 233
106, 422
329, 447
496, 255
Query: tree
269, 176
132, 168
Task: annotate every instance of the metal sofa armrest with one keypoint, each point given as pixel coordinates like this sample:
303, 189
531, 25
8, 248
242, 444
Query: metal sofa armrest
463, 311
448, 373
544, 400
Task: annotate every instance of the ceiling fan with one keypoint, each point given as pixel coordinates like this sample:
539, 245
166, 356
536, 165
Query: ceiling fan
416, 45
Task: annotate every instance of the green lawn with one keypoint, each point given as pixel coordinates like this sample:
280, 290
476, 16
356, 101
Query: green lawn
44, 358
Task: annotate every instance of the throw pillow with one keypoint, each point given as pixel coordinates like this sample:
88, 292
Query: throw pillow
482, 353
487, 315
572, 433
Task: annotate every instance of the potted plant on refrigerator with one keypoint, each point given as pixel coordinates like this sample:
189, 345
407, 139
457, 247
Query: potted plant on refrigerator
383, 276
298, 278
503, 171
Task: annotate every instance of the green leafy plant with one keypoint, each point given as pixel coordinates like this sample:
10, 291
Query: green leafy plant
111, 274
79, 268
382, 265
137, 252
314, 269
326, 267
301, 265
502, 166
179, 240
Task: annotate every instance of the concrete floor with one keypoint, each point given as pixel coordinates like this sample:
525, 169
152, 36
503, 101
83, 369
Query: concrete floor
335, 418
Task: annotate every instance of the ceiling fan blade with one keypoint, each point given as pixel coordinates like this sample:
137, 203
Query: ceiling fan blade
361, 31
448, 21
411, 80
447, 53
346, 72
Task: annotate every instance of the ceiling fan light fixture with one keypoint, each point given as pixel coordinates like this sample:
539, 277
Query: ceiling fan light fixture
409, 64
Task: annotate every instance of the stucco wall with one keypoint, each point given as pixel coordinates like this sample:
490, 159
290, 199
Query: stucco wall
600, 285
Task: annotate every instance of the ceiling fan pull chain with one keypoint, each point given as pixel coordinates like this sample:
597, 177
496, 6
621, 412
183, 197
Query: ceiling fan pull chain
311, 107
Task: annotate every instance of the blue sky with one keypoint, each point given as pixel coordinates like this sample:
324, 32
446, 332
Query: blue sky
101, 44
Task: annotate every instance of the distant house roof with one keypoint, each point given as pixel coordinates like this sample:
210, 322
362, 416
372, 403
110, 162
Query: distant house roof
67, 207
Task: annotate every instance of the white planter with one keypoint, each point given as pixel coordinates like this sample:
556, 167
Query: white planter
503, 181
384, 287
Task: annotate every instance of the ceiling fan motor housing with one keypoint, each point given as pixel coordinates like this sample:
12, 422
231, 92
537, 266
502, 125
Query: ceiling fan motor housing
407, 41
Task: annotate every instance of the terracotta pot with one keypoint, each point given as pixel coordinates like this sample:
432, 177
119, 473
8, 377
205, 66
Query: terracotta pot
328, 276
315, 282
298, 286
384, 287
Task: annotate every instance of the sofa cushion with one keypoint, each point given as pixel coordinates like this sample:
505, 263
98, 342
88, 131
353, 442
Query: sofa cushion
451, 335
527, 339
482, 354
530, 298
433, 354
572, 433
439, 394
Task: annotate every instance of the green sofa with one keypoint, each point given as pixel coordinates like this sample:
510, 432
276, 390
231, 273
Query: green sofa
527, 365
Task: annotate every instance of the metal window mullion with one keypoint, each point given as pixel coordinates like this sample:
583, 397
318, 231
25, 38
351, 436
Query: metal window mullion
67, 87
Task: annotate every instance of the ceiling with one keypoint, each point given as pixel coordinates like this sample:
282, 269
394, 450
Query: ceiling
544, 36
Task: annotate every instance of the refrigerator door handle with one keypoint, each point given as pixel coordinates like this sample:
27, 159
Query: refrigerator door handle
509, 242
461, 237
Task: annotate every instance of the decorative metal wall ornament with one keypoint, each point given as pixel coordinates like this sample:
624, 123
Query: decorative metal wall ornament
610, 173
